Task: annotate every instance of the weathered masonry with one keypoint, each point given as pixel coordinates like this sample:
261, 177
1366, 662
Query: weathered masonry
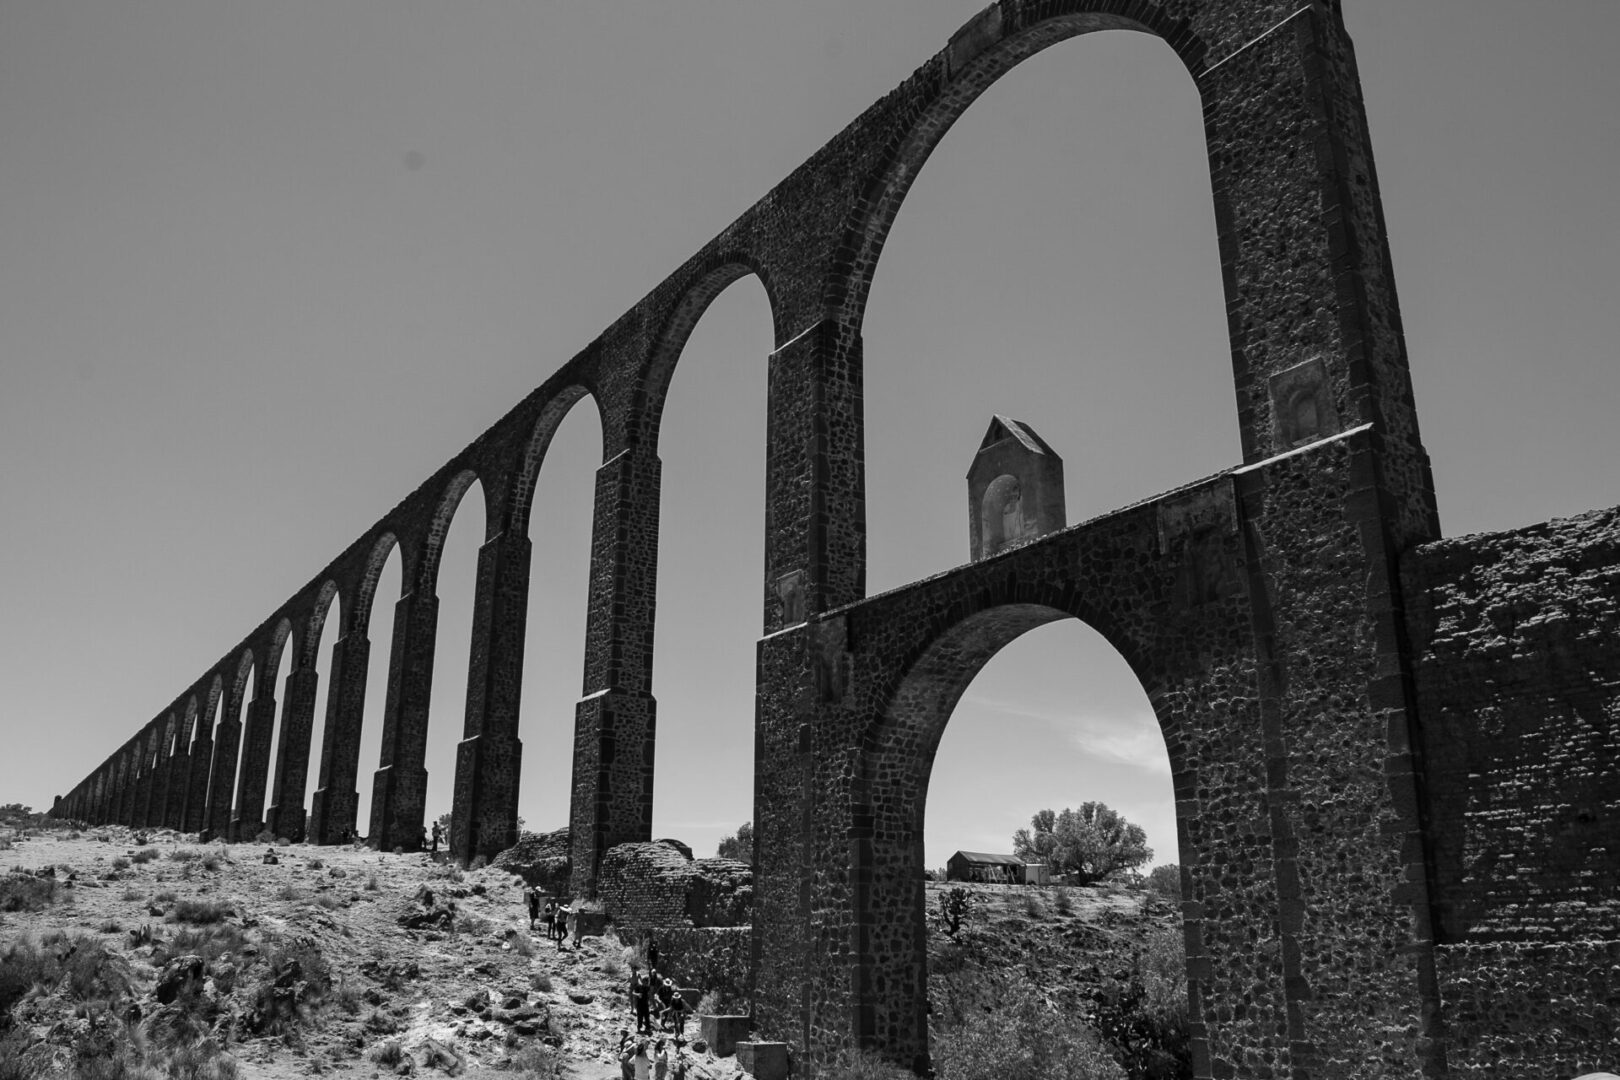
1394, 754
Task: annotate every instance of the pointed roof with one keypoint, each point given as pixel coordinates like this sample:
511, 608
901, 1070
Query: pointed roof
1005, 427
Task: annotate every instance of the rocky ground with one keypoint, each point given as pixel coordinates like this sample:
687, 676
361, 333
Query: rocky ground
347, 961
474, 996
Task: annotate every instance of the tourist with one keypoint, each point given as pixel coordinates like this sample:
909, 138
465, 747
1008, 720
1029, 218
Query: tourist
642, 1061
623, 1053
678, 1067
548, 916
574, 925
437, 833
675, 1010
660, 1060
531, 896
640, 992
563, 914
652, 953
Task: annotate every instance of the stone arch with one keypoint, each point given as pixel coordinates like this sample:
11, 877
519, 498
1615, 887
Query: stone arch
366, 594
526, 476
316, 622
722, 271
279, 638
997, 40
427, 569
889, 790
189, 725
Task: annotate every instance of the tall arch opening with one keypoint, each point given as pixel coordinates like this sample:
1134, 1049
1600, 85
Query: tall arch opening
711, 569
1058, 895
1055, 260
235, 742
559, 528
456, 588
379, 630
328, 630
286, 659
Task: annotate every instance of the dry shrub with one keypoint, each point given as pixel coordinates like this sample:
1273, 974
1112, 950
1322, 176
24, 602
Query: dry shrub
388, 1054
130, 895
145, 855
1022, 1037
167, 896
537, 1062
120, 864
541, 982
24, 892
1062, 901
200, 912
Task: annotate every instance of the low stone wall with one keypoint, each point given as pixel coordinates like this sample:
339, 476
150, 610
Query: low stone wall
713, 959
658, 885
541, 859
1517, 643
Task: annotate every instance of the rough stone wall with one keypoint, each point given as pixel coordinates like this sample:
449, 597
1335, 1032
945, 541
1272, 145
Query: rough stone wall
1517, 639
658, 885
711, 958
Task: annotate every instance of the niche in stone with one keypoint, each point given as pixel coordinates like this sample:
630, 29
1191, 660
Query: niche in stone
1302, 405
1015, 489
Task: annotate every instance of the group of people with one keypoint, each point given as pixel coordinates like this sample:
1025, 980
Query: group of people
644, 1059
560, 920
656, 1000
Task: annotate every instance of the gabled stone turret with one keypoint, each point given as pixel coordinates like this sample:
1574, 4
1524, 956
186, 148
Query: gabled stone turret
1015, 489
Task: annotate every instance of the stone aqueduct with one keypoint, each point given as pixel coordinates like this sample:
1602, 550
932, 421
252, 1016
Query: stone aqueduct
1394, 755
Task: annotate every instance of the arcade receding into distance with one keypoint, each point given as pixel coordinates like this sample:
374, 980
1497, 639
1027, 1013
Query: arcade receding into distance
1394, 755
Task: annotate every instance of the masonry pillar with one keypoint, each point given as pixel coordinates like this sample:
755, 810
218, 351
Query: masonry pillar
222, 782
145, 793
399, 792
1321, 371
125, 801
333, 807
615, 723
163, 780
195, 814
489, 759
247, 821
174, 804
291, 773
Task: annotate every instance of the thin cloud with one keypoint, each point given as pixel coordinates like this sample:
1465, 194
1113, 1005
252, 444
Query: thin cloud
1131, 739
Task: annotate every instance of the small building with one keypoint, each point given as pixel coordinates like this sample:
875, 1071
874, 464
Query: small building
1015, 489
984, 868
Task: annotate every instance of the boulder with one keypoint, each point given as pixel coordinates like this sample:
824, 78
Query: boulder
179, 975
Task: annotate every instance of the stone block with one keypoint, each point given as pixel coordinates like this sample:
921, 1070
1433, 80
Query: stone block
763, 1060
722, 1033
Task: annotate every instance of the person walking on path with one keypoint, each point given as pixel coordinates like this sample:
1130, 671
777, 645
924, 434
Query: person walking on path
624, 1053
640, 991
531, 895
574, 927
437, 833
563, 913
652, 953
642, 1061
660, 1060
549, 917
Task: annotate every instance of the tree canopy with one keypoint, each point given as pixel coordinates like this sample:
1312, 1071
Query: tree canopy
740, 846
1090, 843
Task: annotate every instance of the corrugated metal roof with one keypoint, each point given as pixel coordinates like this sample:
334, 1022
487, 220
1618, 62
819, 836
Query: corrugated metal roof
985, 857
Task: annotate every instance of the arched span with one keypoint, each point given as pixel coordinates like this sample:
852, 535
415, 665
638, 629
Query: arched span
239, 686
272, 658
427, 571
368, 582
311, 640
527, 475
888, 797
999, 39
723, 271
188, 727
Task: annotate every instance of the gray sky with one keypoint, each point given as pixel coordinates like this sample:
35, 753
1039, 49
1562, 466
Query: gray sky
267, 266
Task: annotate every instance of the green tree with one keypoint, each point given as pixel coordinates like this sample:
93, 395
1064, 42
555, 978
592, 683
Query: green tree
1091, 842
740, 846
